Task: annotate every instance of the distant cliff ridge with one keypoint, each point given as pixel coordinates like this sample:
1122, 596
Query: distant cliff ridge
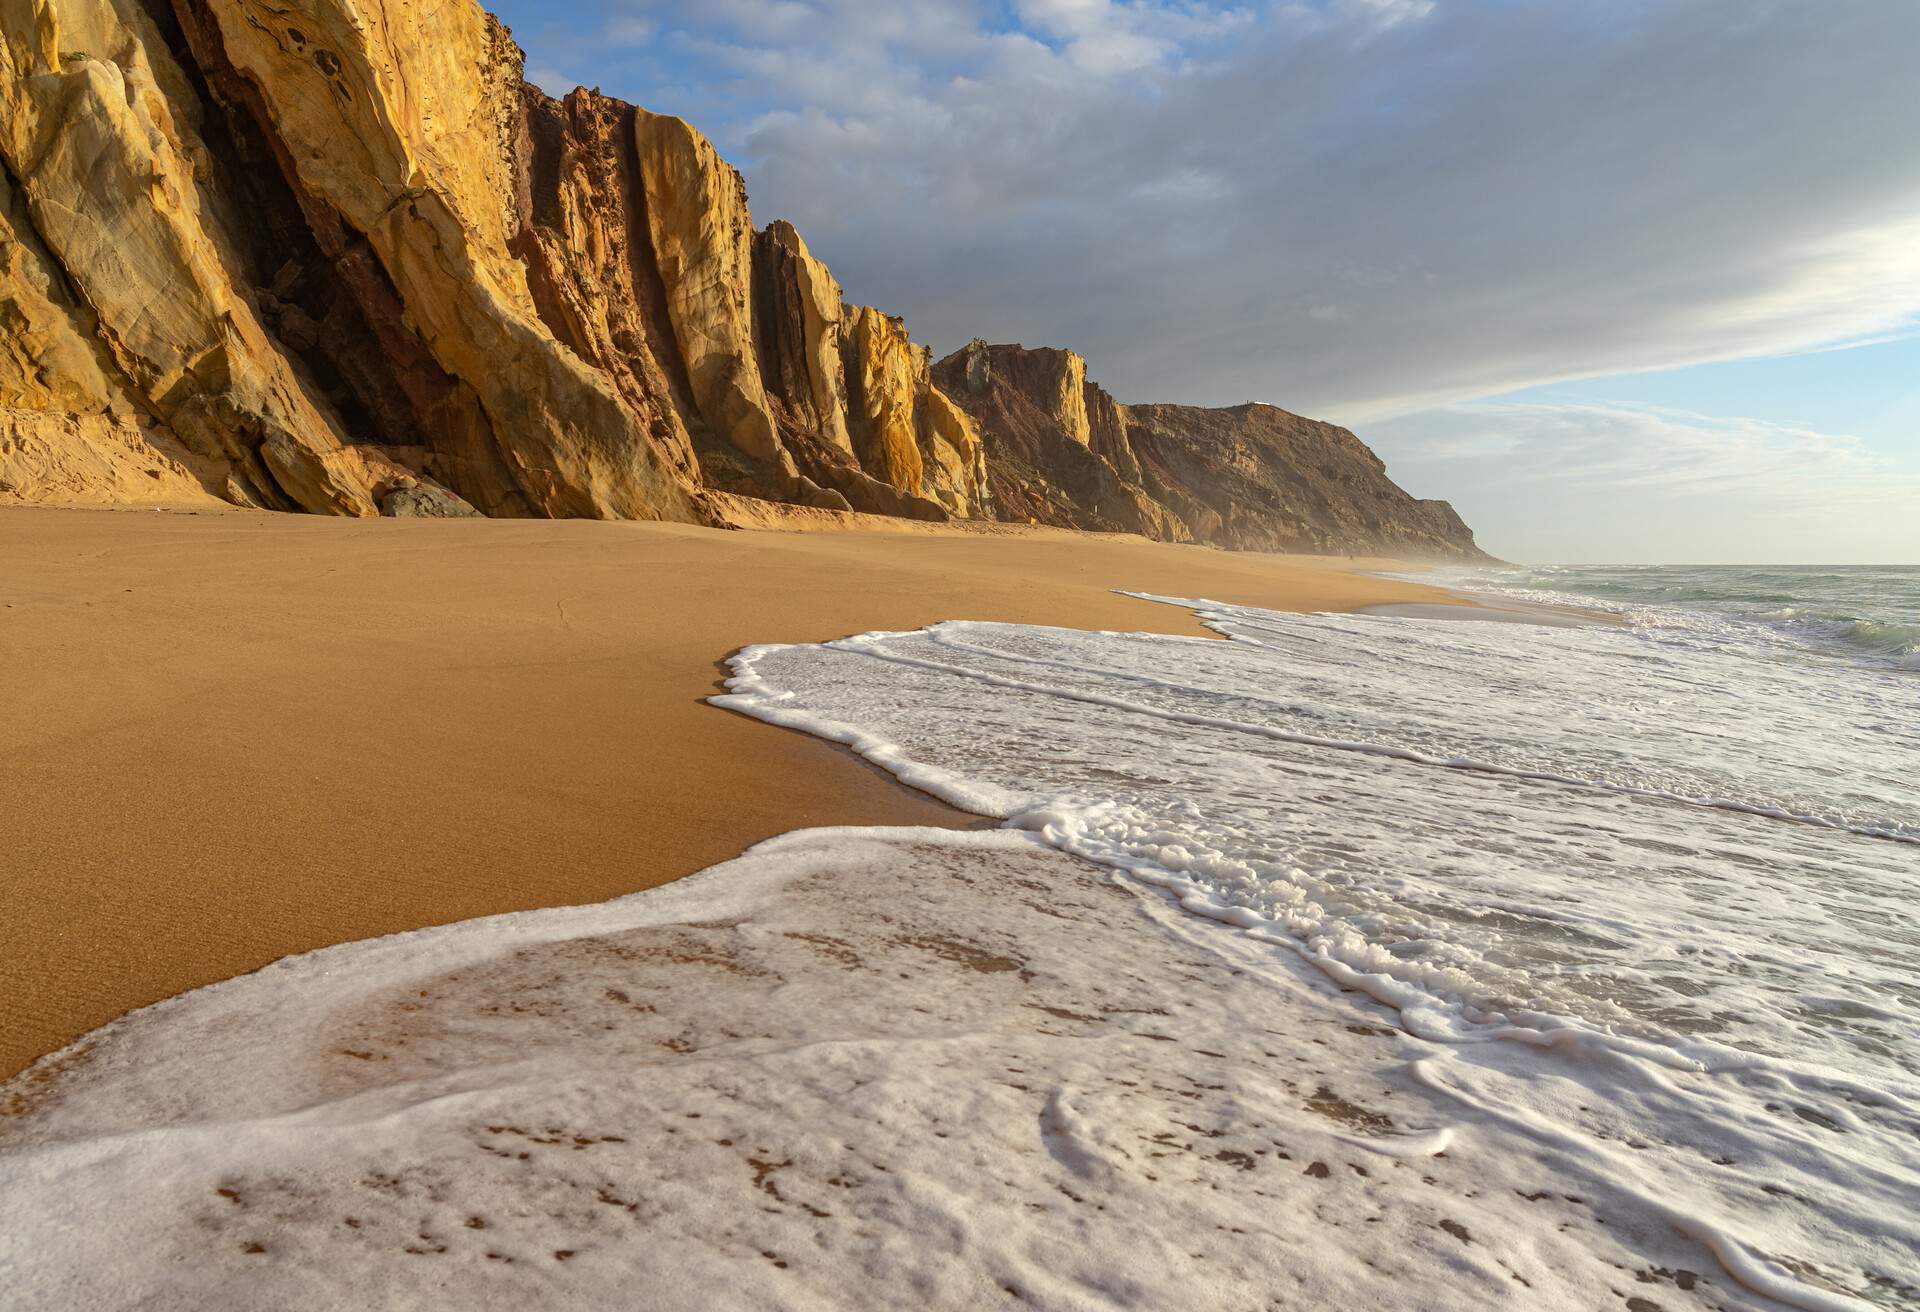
338, 256
1060, 450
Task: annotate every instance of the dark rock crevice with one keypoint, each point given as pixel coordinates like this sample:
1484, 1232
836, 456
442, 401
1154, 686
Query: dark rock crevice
321, 289
264, 227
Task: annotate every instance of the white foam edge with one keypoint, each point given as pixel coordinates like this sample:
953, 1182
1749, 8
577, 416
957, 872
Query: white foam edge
1421, 1014
1761, 1275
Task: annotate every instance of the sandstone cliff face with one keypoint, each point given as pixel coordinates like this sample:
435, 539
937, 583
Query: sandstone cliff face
1250, 477
400, 118
344, 248
337, 256
52, 358
1047, 461
54, 458
703, 245
800, 315
848, 378
905, 430
585, 238
117, 189
1256, 478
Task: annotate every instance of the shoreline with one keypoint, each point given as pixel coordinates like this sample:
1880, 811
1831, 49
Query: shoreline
769, 1081
245, 736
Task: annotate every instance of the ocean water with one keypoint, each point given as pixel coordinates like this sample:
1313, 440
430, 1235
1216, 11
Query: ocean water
1360, 961
1675, 857
1867, 612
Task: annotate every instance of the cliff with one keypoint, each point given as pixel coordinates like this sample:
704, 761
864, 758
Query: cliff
1061, 450
337, 256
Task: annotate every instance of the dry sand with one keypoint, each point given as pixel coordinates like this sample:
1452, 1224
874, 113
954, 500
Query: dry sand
230, 737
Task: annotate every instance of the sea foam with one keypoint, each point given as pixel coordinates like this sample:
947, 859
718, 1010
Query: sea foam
1638, 849
1353, 961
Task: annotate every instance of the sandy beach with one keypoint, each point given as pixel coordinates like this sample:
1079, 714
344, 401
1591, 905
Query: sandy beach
231, 737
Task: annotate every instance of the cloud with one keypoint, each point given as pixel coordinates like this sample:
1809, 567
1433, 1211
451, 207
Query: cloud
1588, 481
1103, 37
630, 30
1669, 453
1347, 207
550, 79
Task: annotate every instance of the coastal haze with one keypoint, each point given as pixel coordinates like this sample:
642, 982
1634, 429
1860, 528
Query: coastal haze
818, 654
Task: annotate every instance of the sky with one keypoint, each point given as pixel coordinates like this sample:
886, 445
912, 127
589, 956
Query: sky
1625, 280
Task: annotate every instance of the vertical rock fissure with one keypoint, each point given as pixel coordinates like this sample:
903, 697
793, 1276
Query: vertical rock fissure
401, 395
651, 287
285, 266
581, 236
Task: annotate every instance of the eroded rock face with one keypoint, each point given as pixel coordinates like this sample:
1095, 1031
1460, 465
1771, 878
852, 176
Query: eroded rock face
99, 139
848, 378
1262, 479
55, 457
956, 455
51, 354
880, 373
338, 256
1250, 477
905, 430
703, 246
800, 324
402, 118
1046, 460
583, 235
1107, 432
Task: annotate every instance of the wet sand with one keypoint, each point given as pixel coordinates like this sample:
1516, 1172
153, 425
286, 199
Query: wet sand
231, 737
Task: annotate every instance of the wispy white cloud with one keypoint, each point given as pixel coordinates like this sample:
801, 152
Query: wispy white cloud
1609, 482
1670, 453
549, 78
1106, 37
630, 30
1382, 14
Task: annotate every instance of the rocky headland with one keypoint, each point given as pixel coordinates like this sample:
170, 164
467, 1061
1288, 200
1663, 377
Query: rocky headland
340, 257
